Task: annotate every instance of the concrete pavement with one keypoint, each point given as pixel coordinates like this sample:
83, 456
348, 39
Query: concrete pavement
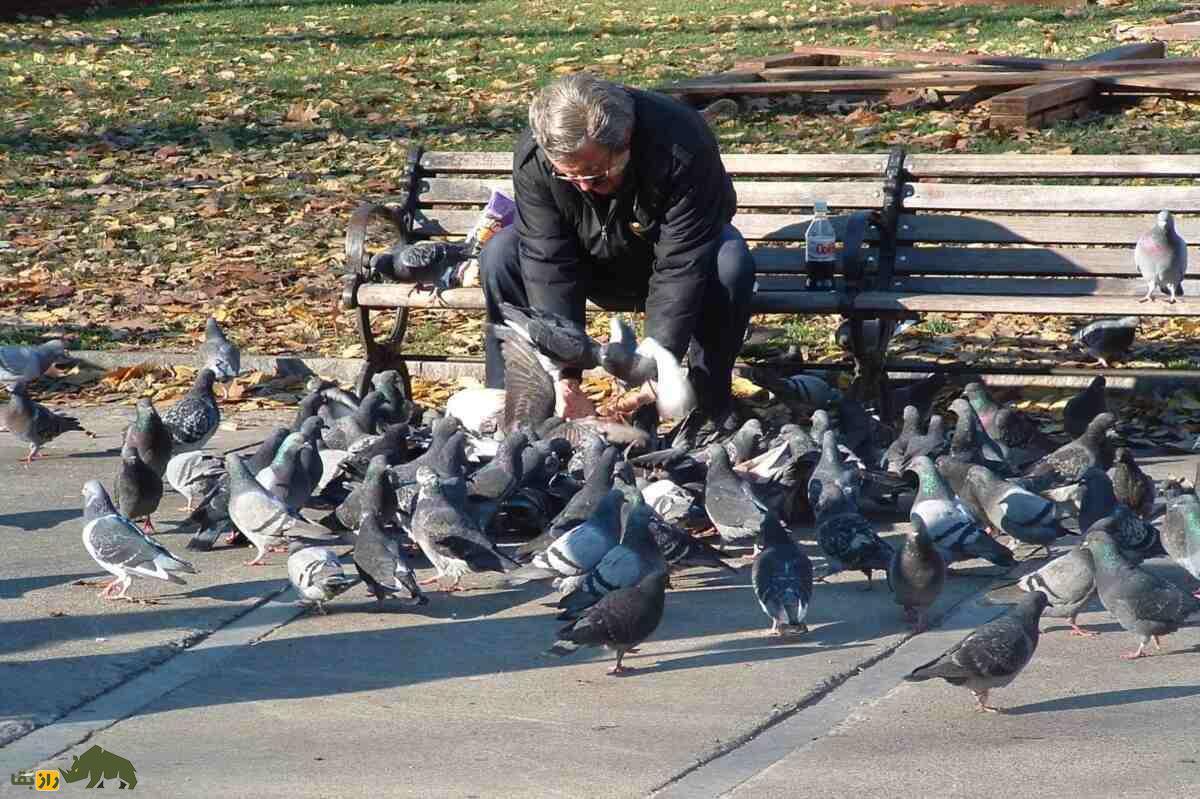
457, 699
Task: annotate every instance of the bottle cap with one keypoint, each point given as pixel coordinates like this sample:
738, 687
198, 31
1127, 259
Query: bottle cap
820, 207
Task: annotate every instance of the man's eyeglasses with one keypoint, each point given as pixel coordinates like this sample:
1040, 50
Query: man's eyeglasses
614, 168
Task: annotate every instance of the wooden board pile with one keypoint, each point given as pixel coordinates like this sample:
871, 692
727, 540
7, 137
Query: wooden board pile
1181, 27
1020, 92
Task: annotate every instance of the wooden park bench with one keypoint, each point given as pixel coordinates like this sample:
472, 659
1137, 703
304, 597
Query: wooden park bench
1018, 234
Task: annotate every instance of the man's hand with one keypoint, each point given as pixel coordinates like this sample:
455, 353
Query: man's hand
571, 402
628, 404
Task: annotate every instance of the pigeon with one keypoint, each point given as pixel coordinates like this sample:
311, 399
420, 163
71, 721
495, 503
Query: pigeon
1108, 339
563, 342
310, 456
219, 355
1068, 583
1161, 257
1133, 488
580, 507
674, 503
1020, 440
681, 551
393, 445
877, 334
800, 392
262, 517
620, 620
398, 408
1081, 409
991, 656
1181, 532
499, 479
920, 393
674, 395
620, 356
577, 551
1099, 509
831, 469
846, 537
916, 576
373, 494
861, 432
193, 474
1008, 508
382, 566
211, 514
728, 500
138, 489
316, 573
970, 442
23, 364
932, 442
122, 549
150, 437
342, 433
529, 396
1068, 463
34, 423
341, 402
744, 444
449, 537
309, 406
940, 515
1143, 603
284, 477
782, 576
893, 457
194, 419
624, 565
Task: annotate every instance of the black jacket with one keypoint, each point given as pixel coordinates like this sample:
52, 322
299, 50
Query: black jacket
667, 216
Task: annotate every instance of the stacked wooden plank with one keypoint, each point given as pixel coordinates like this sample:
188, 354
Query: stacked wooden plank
1023, 92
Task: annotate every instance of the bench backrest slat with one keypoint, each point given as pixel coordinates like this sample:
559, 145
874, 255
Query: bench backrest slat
1068, 198
751, 165
1052, 166
1008, 229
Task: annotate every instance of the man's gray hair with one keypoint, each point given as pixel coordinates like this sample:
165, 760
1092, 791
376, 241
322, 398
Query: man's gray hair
578, 108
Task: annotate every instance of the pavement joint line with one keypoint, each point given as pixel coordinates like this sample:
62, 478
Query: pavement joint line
147, 686
731, 765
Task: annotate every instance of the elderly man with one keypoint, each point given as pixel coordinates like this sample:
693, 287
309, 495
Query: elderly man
622, 197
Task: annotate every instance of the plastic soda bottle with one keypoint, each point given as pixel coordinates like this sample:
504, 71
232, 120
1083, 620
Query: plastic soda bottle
820, 249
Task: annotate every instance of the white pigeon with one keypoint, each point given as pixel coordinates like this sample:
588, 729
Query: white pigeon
316, 573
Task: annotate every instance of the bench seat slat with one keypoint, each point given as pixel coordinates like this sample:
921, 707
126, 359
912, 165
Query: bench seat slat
1033, 287
895, 302
1052, 166
1009, 229
782, 194
1066, 198
758, 165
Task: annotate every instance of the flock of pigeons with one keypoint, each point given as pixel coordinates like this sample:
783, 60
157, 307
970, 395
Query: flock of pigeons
607, 510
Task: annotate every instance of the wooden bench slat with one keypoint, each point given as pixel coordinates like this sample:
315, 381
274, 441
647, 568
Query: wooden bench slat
1075, 198
393, 295
1052, 166
1033, 287
896, 302
752, 164
1027, 261
1006, 229
789, 194
754, 227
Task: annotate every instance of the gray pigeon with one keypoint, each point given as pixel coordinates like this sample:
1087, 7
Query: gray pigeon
24, 364
831, 470
449, 537
1068, 583
308, 408
1143, 603
1108, 339
218, 354
382, 566
341, 402
1085, 406
262, 517
1020, 440
374, 494
894, 457
970, 442
1068, 463
34, 423
193, 474
194, 419
343, 432
728, 500
1008, 508
938, 513
782, 576
529, 396
620, 621
620, 357
1099, 510
993, 655
1181, 532
624, 565
150, 437
745, 443
579, 507
138, 489
120, 548
1133, 488
576, 552
1161, 257
563, 342
284, 477
932, 442
916, 576
316, 573
846, 537
497, 481
211, 514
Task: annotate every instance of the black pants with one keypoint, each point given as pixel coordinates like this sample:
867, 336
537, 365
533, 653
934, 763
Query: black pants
719, 333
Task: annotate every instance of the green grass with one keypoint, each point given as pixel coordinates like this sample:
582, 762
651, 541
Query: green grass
938, 327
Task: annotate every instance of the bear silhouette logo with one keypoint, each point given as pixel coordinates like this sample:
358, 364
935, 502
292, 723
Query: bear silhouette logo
99, 765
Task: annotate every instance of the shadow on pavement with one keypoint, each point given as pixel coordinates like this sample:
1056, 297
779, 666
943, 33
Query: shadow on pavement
40, 519
19, 586
1107, 699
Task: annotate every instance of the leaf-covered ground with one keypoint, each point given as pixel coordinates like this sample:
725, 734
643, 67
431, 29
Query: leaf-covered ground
160, 164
